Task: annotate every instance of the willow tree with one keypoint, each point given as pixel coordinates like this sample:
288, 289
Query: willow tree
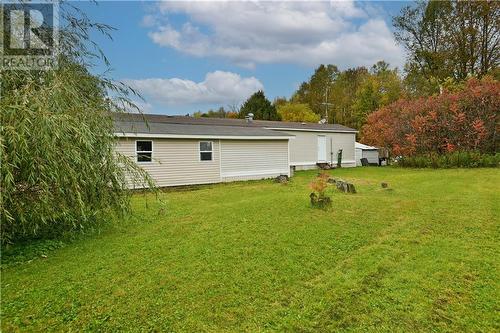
59, 171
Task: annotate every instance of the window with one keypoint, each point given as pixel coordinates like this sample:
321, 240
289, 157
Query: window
144, 151
206, 151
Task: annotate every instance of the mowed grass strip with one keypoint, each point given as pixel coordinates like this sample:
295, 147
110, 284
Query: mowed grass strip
254, 256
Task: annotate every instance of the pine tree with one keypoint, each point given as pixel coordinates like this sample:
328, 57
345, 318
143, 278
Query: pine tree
260, 106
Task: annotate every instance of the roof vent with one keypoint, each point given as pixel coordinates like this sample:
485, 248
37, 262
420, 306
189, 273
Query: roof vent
249, 117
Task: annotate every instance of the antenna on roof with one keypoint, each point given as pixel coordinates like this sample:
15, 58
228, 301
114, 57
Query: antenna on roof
326, 104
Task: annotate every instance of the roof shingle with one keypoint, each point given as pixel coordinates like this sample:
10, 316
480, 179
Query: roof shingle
141, 127
184, 125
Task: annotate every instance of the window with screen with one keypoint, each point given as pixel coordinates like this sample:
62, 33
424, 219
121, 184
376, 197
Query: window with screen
144, 151
206, 151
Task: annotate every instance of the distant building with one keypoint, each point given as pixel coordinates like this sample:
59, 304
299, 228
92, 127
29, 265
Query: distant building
368, 152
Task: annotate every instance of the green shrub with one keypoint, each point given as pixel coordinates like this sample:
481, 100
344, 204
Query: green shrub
464, 159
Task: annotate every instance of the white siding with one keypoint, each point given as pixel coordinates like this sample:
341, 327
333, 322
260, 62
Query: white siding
359, 156
176, 161
253, 159
371, 155
304, 148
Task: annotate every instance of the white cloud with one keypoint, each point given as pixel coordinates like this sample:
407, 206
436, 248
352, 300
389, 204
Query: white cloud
218, 88
347, 9
142, 106
247, 33
148, 21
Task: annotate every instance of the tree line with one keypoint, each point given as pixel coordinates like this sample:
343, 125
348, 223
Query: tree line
451, 97
461, 120
446, 43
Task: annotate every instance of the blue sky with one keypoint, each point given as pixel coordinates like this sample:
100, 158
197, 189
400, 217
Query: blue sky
189, 56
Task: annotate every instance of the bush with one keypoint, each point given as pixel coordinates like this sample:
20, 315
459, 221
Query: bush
318, 197
451, 160
464, 120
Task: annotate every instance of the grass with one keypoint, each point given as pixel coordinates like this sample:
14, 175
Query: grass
254, 256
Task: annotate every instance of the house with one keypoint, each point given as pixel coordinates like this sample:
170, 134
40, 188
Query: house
181, 150
368, 152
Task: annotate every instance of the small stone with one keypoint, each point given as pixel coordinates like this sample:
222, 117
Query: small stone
283, 179
314, 199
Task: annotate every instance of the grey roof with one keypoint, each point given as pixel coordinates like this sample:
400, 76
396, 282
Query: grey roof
221, 122
152, 127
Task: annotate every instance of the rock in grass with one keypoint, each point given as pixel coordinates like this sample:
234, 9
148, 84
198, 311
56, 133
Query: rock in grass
345, 186
320, 201
384, 185
283, 179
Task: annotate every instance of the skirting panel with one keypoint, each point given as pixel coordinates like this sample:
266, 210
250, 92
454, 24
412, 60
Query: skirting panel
235, 176
311, 166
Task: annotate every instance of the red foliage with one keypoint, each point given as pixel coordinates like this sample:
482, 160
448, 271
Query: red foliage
320, 184
464, 120
450, 147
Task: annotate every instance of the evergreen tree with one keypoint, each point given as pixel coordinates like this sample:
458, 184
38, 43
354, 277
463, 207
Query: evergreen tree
260, 106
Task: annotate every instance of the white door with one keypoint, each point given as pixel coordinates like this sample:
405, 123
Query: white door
321, 148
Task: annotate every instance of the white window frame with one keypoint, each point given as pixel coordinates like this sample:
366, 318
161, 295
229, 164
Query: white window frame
205, 151
143, 151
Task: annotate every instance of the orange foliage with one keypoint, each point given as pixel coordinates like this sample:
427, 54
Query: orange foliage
463, 120
320, 184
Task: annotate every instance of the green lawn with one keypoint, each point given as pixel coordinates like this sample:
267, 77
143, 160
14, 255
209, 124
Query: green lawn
254, 256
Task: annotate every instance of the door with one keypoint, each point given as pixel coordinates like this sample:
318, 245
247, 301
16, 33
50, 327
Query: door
321, 148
